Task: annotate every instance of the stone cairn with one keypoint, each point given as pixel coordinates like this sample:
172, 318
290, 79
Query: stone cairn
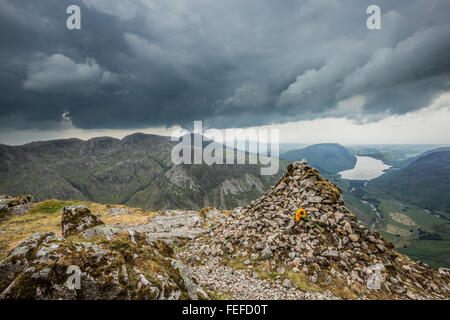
330, 246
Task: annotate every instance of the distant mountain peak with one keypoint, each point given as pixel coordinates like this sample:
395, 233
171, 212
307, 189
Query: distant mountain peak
327, 157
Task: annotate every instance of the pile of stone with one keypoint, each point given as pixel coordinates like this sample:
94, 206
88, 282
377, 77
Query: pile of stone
333, 249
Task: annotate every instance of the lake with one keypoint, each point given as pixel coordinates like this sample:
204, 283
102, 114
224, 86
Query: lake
366, 168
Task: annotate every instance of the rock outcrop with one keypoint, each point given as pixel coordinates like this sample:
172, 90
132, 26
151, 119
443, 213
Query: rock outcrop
94, 261
15, 205
330, 249
75, 219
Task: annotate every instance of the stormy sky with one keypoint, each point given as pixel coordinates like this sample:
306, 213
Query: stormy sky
153, 65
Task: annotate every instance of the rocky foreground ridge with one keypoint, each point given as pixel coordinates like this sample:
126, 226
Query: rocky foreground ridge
113, 263
257, 252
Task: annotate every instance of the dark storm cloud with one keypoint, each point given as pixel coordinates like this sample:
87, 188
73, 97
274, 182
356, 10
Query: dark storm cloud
139, 63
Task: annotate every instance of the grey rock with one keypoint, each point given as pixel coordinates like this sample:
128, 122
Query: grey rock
101, 230
330, 254
266, 253
260, 245
286, 283
75, 219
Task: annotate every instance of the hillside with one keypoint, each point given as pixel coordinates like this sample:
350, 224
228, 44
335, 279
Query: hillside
408, 161
327, 157
425, 182
135, 171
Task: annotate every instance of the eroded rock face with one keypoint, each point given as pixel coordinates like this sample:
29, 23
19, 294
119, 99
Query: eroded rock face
46, 267
75, 219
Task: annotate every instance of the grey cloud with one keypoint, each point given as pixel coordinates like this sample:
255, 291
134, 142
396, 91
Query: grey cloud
233, 63
57, 73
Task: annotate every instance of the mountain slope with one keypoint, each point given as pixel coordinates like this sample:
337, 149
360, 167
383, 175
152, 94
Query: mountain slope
425, 182
407, 162
136, 170
327, 157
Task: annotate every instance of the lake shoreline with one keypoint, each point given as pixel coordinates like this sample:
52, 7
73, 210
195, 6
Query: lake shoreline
366, 168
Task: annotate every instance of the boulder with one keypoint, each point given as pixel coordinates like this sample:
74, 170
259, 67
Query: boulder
77, 218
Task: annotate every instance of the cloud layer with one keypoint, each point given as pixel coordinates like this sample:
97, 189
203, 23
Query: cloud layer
138, 64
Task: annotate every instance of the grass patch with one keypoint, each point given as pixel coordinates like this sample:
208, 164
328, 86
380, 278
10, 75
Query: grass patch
302, 282
20, 228
98, 239
216, 295
236, 263
403, 219
52, 206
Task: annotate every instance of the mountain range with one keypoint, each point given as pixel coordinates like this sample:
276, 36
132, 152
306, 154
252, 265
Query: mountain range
135, 171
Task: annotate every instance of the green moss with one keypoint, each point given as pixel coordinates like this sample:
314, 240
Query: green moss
301, 281
333, 191
120, 245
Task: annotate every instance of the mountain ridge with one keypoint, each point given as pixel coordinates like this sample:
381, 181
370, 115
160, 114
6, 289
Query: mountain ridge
424, 182
138, 166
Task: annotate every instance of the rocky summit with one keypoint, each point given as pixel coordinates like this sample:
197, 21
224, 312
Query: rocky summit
329, 250
270, 249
